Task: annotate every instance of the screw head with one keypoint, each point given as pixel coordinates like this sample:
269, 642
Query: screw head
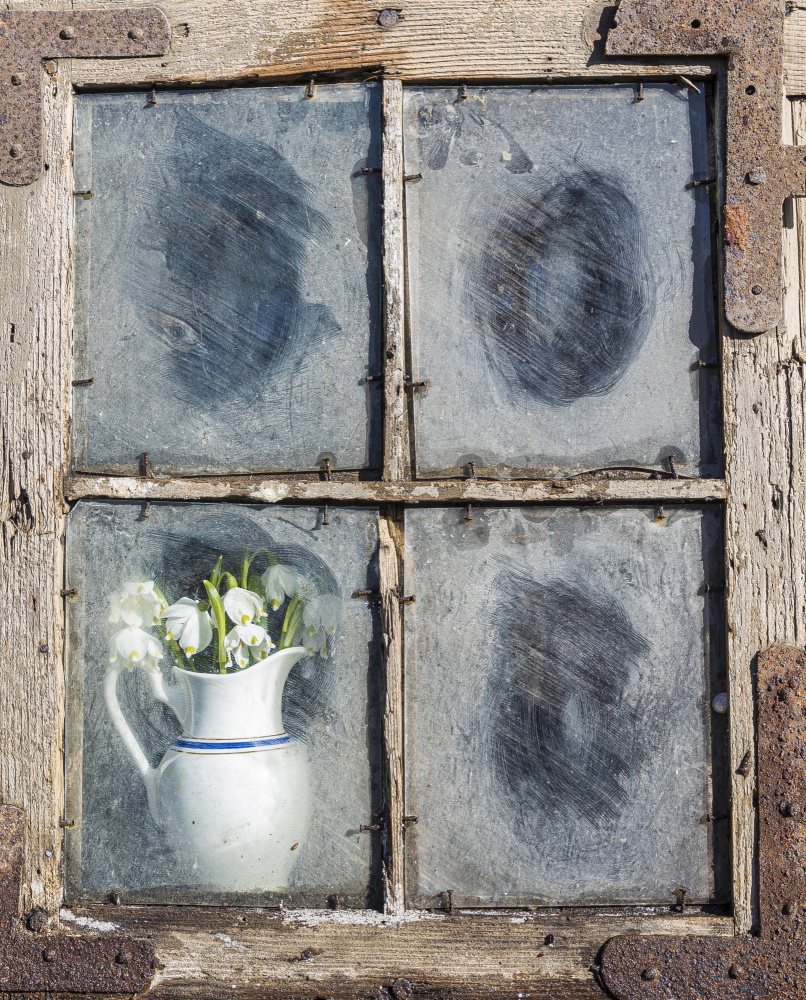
123, 958
650, 975
48, 955
17, 79
720, 703
388, 18
736, 972
790, 907
401, 989
789, 809
756, 175
37, 921
135, 34
756, 289
15, 151
67, 32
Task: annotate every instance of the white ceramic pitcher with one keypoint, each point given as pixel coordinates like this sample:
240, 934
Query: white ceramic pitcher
233, 792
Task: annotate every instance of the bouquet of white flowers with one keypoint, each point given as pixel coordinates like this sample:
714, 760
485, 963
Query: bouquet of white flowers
234, 615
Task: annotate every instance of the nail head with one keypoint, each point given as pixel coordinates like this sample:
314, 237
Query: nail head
720, 703
757, 175
756, 289
736, 972
67, 32
17, 79
388, 18
15, 151
135, 34
649, 975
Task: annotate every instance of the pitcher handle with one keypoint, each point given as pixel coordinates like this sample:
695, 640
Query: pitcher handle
147, 772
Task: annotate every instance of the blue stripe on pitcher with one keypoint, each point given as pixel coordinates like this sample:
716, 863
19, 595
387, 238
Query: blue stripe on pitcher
261, 743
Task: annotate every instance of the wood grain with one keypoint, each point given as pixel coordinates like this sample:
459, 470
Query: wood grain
34, 380
205, 952
275, 490
433, 39
392, 644
395, 421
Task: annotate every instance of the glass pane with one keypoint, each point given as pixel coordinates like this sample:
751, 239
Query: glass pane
227, 280
561, 285
560, 746
187, 785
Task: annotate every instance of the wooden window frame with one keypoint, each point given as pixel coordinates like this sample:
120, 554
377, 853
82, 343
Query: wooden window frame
545, 952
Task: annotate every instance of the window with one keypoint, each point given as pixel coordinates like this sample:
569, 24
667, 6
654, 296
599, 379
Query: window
581, 493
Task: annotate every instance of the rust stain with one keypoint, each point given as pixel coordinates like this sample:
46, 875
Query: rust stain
736, 225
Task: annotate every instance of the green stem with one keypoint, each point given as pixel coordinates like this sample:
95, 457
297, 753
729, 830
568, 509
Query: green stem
215, 576
247, 562
289, 612
291, 623
220, 622
162, 628
230, 581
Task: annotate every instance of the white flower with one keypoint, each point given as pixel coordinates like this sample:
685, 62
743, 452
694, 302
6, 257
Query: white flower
322, 614
315, 642
278, 582
242, 606
133, 645
136, 604
244, 639
190, 627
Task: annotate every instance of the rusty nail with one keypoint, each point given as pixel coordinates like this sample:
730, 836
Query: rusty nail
371, 827
690, 85
472, 467
411, 599
401, 988
71, 592
37, 921
371, 170
639, 93
147, 467
450, 901
294, 847
374, 378
650, 975
409, 819
720, 703
88, 193
153, 97
49, 955
744, 767
681, 898
68, 32
388, 18
756, 175
736, 972
709, 589
135, 34
762, 536
43, 647
756, 289
115, 896
15, 151
146, 508
309, 88
67, 824
328, 473
335, 902
463, 92
326, 515
365, 593
705, 183
790, 908
17, 79
660, 515
83, 381
469, 512
673, 467
708, 364
408, 178
549, 939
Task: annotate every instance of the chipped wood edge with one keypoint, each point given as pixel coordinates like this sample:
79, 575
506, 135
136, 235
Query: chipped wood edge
392, 646
259, 490
395, 425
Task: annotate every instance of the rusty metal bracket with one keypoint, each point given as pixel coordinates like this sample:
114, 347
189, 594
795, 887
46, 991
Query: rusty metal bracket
772, 966
34, 963
760, 171
29, 37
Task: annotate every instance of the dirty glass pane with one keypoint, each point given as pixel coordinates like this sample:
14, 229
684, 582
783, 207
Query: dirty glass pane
561, 280
226, 787
227, 280
560, 746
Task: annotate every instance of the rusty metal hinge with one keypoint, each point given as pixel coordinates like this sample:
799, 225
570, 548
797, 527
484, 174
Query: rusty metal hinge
772, 966
29, 37
760, 172
34, 963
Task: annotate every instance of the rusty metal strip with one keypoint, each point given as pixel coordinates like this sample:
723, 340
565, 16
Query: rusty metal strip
31, 962
28, 37
772, 966
760, 172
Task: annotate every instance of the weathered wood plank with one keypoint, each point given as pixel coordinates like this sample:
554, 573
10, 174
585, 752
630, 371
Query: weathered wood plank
395, 420
268, 490
34, 373
205, 952
432, 39
795, 49
392, 644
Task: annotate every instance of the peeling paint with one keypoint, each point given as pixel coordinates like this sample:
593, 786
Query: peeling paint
94, 925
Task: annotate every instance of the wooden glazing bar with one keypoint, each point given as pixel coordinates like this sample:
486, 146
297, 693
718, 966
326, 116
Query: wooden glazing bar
264, 490
395, 428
